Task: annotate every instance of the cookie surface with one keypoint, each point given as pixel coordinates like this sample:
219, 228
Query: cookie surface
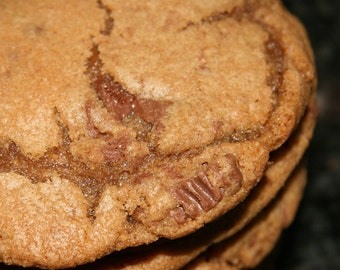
138, 120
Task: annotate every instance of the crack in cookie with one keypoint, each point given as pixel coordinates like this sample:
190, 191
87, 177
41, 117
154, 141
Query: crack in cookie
109, 21
58, 161
274, 56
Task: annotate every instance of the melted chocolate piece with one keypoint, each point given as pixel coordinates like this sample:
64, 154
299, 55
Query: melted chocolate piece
116, 98
114, 151
234, 181
196, 195
199, 195
111, 93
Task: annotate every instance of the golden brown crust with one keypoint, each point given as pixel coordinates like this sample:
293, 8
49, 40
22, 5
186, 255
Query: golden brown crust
147, 114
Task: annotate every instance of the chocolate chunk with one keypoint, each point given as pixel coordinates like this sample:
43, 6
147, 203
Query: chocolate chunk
116, 98
199, 195
233, 182
110, 92
179, 215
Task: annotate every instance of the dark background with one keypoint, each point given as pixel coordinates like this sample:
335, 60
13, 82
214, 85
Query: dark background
313, 241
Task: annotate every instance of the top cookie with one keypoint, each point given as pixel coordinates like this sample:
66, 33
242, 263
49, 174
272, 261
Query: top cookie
125, 121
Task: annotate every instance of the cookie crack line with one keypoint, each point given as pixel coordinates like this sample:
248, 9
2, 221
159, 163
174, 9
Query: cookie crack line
58, 161
273, 47
216, 17
109, 21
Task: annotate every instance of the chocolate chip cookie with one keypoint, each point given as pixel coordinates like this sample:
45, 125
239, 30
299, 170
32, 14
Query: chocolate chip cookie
125, 122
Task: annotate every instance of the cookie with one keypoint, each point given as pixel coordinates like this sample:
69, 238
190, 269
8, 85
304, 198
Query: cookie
125, 122
175, 254
249, 247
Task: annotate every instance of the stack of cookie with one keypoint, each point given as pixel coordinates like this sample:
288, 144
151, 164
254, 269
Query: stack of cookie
150, 134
